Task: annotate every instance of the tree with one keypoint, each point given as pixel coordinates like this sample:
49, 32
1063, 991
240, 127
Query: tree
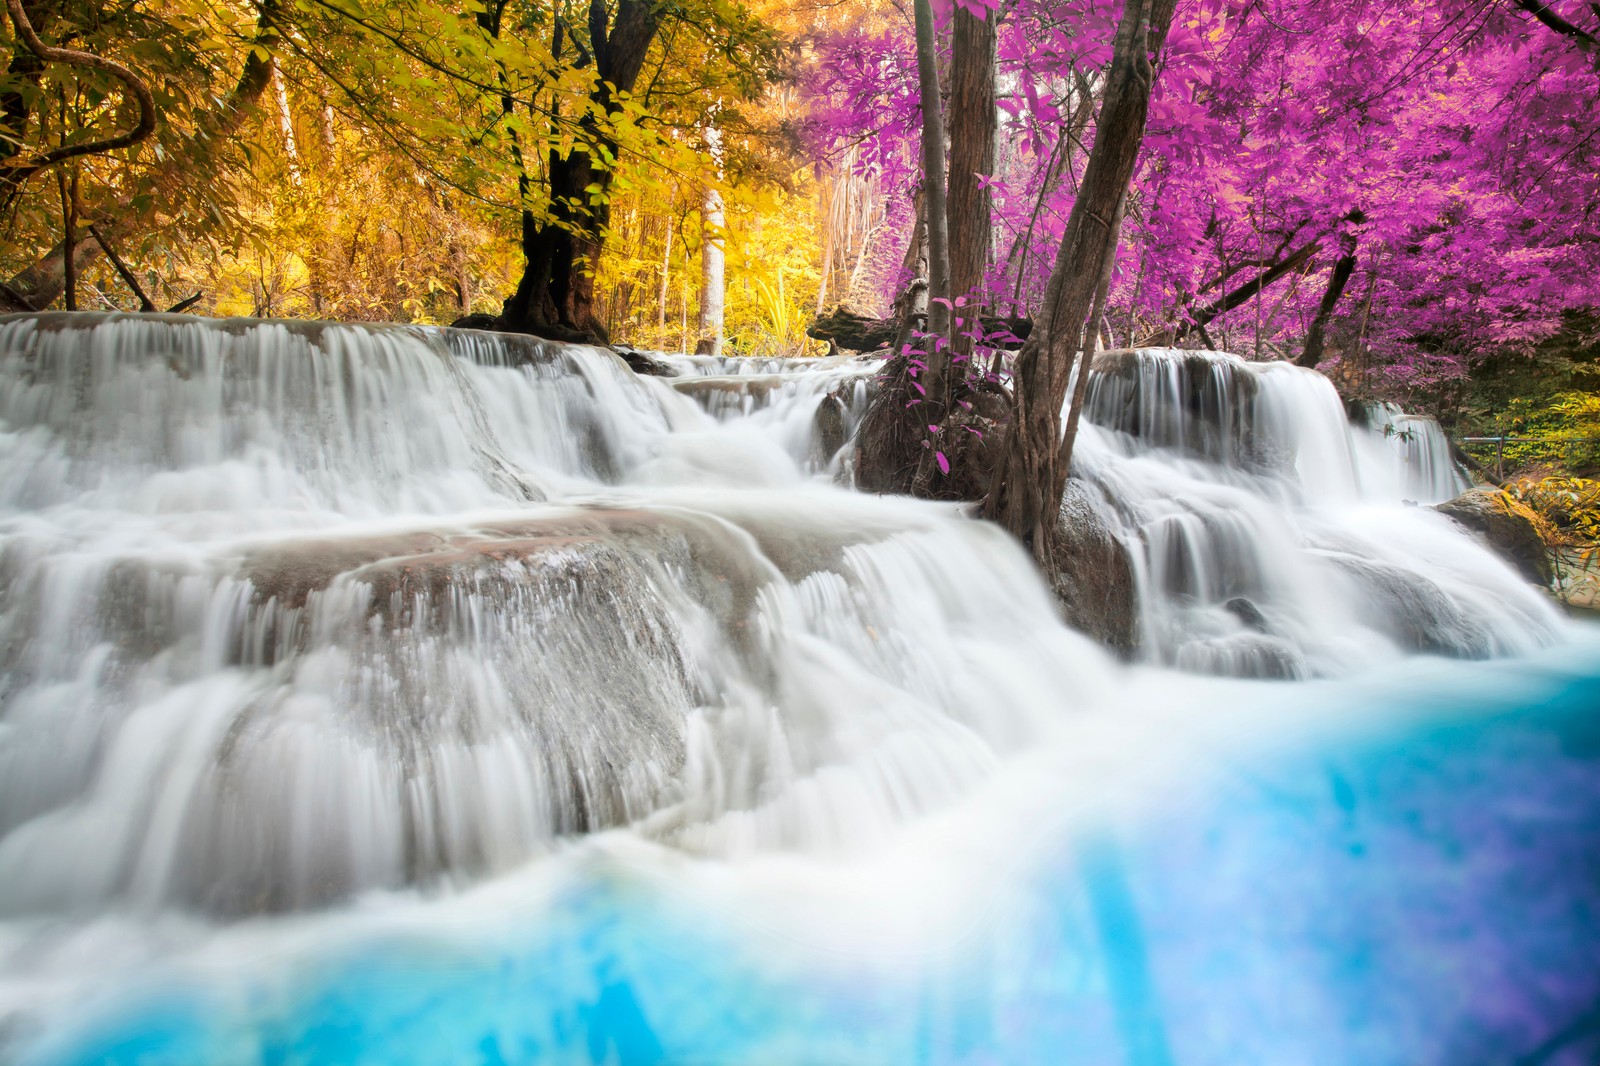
973, 122
1032, 474
713, 281
176, 169
555, 296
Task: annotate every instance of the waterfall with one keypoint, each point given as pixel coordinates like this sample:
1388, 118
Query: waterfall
292, 613
1273, 538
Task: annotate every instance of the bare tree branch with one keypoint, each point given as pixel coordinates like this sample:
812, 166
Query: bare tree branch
1542, 11
17, 173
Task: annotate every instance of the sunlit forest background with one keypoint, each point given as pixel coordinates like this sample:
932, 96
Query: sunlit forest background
1413, 185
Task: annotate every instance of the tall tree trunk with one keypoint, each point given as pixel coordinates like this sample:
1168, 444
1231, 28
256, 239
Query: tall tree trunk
1091, 338
291, 147
933, 181
666, 282
555, 296
69, 228
1316, 336
1031, 475
712, 274
972, 133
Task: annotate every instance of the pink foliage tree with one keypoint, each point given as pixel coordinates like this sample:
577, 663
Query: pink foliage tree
1420, 182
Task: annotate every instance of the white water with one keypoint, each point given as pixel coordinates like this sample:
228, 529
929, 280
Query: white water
1233, 481
293, 612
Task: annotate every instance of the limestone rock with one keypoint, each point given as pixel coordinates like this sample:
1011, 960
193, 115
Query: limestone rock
1506, 525
1416, 613
1092, 574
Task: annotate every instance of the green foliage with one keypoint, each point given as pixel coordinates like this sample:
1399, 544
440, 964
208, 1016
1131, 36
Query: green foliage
1568, 513
1552, 395
385, 172
1571, 506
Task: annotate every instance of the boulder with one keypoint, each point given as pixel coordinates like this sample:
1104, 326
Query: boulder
829, 428
1505, 525
1249, 655
1092, 574
1247, 613
643, 362
1414, 612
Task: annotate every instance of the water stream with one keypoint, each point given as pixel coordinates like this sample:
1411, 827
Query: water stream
386, 694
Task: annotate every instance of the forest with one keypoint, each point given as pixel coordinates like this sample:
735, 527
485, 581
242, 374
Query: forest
1402, 195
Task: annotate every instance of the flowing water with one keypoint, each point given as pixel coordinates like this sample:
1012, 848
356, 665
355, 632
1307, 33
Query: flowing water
399, 695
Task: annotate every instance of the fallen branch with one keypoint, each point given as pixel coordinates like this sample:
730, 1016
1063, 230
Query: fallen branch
145, 303
859, 333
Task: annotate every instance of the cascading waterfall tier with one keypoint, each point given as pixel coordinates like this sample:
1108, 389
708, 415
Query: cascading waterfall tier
290, 612
1273, 538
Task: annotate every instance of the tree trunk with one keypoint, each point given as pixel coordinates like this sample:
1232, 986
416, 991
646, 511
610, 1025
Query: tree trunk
933, 178
712, 274
666, 281
1316, 336
555, 296
972, 132
1091, 344
1031, 475
69, 228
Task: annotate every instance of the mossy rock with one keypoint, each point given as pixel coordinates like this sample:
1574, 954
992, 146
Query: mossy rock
1506, 525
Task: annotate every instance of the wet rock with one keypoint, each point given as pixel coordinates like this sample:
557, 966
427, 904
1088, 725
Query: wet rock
643, 362
717, 393
829, 430
1200, 402
1092, 574
1247, 612
1505, 525
1413, 611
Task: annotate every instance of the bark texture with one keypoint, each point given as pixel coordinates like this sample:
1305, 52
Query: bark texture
555, 296
1031, 475
1316, 336
972, 132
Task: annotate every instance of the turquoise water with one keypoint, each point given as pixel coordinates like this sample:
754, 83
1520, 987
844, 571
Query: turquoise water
1421, 887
